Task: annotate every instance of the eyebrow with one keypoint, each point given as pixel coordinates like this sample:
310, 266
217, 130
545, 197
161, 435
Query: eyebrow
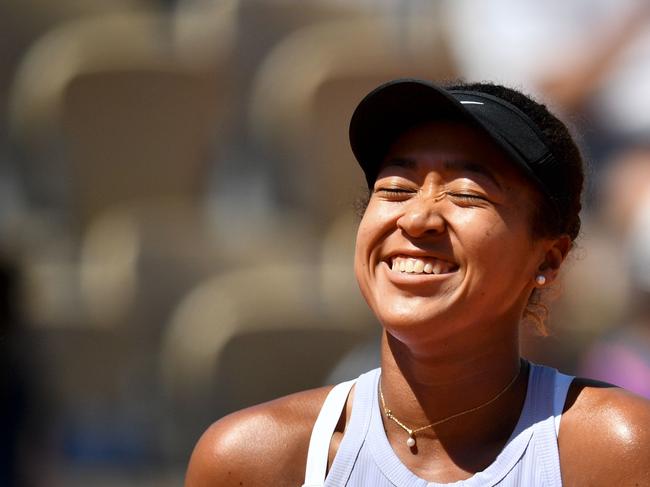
471, 166
399, 162
449, 165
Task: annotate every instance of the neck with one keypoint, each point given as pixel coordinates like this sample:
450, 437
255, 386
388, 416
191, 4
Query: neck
421, 389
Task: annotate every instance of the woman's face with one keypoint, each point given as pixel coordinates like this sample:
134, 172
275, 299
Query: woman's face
446, 241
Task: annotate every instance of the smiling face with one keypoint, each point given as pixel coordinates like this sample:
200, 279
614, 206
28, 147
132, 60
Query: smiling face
445, 242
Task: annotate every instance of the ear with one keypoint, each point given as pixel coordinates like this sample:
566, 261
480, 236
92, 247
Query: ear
556, 251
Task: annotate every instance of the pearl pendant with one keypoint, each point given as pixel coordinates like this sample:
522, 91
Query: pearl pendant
410, 442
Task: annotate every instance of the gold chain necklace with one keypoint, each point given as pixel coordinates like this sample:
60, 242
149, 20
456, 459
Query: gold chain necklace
410, 442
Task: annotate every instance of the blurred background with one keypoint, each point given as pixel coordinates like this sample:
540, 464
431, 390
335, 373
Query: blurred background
177, 206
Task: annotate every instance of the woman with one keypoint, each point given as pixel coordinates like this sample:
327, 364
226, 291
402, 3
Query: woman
474, 202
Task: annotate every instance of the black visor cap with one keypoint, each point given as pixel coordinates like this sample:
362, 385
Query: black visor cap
399, 105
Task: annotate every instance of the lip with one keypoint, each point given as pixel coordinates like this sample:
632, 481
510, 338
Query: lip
412, 279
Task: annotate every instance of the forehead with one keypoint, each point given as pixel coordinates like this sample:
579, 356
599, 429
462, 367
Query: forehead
452, 141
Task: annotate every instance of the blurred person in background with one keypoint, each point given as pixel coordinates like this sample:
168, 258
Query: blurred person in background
23, 402
622, 355
588, 58
474, 204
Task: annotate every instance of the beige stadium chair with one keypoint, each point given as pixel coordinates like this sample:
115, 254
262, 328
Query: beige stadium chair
308, 86
129, 116
258, 26
23, 21
248, 336
138, 261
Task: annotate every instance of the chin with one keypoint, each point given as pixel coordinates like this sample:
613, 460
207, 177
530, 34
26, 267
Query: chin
433, 316
409, 317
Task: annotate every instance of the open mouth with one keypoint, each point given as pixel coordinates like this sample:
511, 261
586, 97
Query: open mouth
421, 265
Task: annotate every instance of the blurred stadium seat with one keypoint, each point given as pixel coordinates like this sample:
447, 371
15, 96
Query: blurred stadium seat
309, 84
247, 336
126, 116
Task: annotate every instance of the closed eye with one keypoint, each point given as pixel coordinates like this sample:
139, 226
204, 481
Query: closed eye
395, 194
467, 196
470, 197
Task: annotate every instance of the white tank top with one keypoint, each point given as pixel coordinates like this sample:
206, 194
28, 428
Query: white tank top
365, 457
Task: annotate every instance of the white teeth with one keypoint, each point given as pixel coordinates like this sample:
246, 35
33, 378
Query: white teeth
412, 265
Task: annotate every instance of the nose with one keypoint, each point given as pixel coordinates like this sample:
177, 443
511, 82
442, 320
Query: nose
422, 217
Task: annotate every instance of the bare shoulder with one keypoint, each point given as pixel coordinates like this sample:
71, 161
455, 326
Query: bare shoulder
262, 445
605, 436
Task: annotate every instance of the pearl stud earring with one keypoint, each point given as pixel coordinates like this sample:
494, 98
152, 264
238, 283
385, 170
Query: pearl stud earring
540, 279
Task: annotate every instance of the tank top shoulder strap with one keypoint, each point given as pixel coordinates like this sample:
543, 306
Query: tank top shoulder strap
355, 431
550, 389
560, 391
322, 433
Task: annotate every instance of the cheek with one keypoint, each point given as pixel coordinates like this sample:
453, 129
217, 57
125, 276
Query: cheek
500, 242
476, 227
361, 240
508, 254
362, 273
362, 249
376, 221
